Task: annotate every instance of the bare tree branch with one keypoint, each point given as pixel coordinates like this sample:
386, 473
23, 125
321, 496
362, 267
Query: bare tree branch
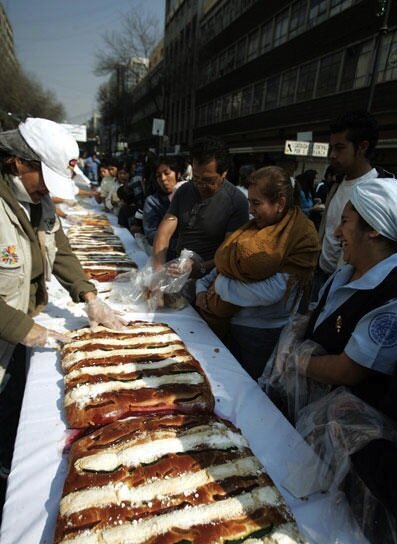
138, 34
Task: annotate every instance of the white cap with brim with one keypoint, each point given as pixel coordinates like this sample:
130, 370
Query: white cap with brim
58, 153
376, 201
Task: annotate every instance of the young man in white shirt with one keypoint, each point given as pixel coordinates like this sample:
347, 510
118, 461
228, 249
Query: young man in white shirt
353, 139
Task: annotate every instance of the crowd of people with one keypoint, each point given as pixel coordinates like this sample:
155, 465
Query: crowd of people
296, 275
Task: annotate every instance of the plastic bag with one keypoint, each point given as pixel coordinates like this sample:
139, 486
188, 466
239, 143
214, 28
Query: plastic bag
284, 379
143, 244
337, 426
152, 288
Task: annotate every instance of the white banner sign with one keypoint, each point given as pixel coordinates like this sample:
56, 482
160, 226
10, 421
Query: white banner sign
78, 131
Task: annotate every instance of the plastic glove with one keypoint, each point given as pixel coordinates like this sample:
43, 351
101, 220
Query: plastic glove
178, 269
99, 312
39, 336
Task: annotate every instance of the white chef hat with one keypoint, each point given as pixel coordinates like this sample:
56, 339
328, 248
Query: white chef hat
376, 201
58, 153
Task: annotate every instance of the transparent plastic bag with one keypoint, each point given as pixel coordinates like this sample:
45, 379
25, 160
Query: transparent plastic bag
152, 289
143, 244
337, 426
284, 379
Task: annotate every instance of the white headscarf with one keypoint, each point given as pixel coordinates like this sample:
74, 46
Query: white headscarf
376, 201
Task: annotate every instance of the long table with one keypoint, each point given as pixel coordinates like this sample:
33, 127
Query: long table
40, 461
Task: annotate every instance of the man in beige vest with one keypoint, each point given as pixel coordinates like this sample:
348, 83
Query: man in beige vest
35, 159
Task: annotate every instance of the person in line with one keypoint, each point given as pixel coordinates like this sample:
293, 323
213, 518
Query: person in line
35, 159
353, 139
168, 173
91, 167
305, 186
355, 322
262, 271
324, 187
128, 216
107, 193
346, 366
204, 210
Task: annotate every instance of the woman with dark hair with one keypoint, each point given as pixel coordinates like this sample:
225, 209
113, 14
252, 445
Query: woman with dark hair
305, 186
262, 271
168, 172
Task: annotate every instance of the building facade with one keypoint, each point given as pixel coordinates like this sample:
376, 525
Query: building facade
265, 71
180, 70
7, 50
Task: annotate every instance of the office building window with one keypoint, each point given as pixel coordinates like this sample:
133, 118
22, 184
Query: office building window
336, 6
257, 100
327, 81
266, 36
272, 90
230, 56
281, 27
236, 104
222, 63
298, 17
241, 50
306, 81
388, 58
218, 110
288, 86
357, 65
246, 99
317, 11
253, 44
226, 107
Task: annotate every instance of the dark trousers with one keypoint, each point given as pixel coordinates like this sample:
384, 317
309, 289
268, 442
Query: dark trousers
252, 347
10, 408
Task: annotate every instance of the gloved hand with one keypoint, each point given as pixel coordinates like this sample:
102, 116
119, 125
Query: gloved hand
299, 359
99, 312
39, 336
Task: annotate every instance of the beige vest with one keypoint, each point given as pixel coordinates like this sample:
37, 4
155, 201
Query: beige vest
16, 263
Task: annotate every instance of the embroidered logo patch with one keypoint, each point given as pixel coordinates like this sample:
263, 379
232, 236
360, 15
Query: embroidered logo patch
383, 329
9, 255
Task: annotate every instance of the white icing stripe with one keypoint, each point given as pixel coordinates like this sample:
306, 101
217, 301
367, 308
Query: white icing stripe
130, 454
92, 267
134, 329
139, 531
110, 256
166, 338
185, 483
120, 369
82, 394
73, 358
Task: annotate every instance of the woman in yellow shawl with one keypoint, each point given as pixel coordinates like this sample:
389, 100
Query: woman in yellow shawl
262, 271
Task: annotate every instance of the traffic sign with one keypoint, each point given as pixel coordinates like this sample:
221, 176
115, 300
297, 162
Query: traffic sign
306, 149
293, 147
320, 150
158, 127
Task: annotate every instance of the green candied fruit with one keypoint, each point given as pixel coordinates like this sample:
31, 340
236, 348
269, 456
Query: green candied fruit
255, 534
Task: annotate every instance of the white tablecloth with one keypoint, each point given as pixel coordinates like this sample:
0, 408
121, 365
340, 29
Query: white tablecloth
39, 464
